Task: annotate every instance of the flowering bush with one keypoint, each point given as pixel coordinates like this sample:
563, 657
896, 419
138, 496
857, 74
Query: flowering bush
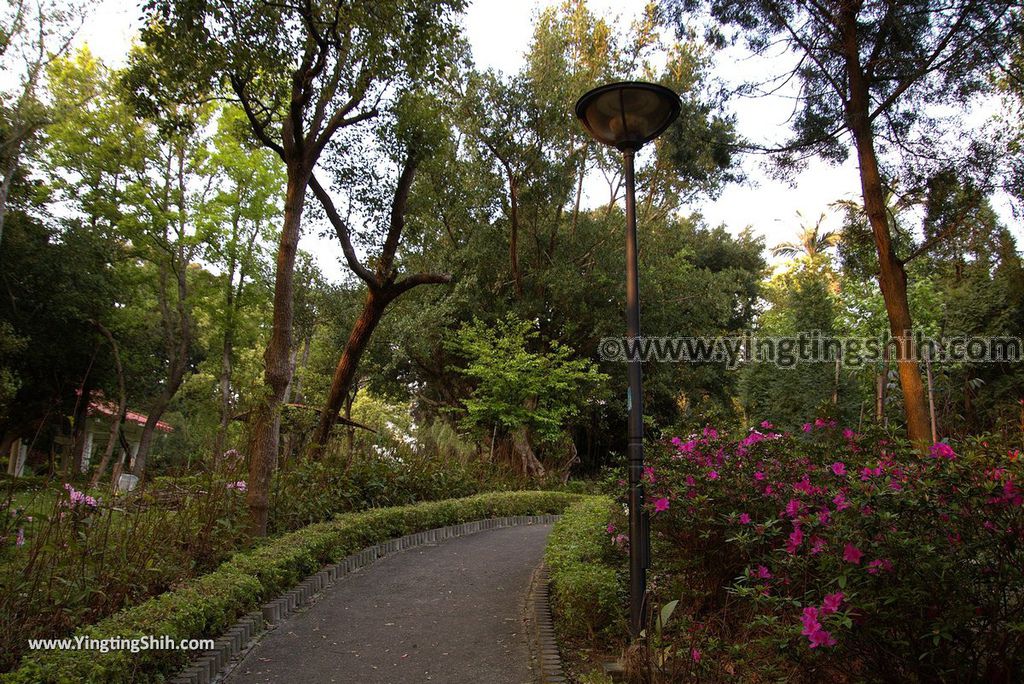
831, 554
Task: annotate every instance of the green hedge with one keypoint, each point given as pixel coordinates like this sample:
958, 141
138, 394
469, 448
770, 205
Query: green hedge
206, 606
585, 570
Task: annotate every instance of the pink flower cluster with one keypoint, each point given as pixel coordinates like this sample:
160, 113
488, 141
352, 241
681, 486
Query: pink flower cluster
811, 620
237, 486
77, 499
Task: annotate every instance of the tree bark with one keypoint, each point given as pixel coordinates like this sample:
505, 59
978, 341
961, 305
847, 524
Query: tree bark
265, 430
528, 463
892, 278
513, 241
344, 373
382, 288
227, 349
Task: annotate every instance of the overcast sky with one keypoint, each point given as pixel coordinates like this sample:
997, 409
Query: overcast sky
499, 32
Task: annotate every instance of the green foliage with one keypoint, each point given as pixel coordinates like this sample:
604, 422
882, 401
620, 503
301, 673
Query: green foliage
802, 300
516, 387
383, 473
204, 607
587, 575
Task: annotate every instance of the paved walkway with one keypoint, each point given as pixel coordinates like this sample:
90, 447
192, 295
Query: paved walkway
452, 612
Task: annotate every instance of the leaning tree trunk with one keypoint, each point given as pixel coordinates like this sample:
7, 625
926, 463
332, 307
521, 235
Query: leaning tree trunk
265, 430
892, 278
345, 372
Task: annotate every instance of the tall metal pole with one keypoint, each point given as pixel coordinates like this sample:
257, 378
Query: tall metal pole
638, 538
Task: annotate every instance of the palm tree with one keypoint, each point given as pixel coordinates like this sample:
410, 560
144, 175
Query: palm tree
810, 240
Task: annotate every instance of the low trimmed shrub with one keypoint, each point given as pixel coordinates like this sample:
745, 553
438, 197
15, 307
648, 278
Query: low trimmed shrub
204, 607
587, 577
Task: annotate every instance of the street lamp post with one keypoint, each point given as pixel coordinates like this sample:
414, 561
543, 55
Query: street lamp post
626, 116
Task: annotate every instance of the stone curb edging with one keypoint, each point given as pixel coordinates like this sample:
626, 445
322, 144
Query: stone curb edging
548, 658
209, 665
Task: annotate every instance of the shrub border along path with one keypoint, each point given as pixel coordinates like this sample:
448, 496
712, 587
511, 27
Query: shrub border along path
254, 625
211, 605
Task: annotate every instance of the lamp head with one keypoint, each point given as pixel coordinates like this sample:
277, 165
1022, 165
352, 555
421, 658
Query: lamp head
629, 114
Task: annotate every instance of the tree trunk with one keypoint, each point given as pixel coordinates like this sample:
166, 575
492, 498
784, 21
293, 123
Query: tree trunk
880, 394
5, 188
835, 385
528, 463
892, 277
345, 372
117, 423
931, 396
149, 430
513, 242
227, 354
294, 394
226, 405
265, 431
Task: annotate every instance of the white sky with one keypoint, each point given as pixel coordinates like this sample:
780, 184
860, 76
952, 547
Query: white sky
499, 32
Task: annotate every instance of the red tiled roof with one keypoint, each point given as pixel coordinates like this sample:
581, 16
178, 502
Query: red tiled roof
107, 408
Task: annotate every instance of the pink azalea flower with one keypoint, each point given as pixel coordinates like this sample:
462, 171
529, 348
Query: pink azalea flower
711, 433
758, 475
851, 554
610, 528
793, 508
817, 545
661, 505
796, 538
839, 468
942, 450
849, 434
809, 618
840, 501
687, 447
744, 518
821, 638
807, 427
713, 475
649, 474
763, 572
832, 603
767, 424
695, 654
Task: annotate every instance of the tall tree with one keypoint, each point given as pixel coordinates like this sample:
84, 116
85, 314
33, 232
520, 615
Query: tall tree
868, 70
301, 73
32, 35
236, 225
419, 129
